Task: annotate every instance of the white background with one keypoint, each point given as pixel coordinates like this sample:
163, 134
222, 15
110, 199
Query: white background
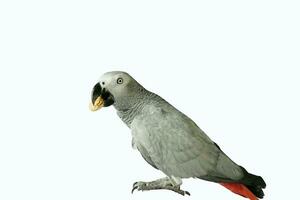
232, 66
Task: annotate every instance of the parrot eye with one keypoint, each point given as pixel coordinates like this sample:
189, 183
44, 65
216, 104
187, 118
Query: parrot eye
119, 80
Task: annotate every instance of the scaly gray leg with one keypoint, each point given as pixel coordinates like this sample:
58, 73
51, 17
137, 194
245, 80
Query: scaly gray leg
163, 183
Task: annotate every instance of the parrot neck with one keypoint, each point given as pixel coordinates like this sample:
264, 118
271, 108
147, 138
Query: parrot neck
130, 106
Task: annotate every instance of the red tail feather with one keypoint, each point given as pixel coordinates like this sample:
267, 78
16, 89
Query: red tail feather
239, 189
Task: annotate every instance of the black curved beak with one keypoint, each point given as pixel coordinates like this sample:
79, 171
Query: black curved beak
100, 98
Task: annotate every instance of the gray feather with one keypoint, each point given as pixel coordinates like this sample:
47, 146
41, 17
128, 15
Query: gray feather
177, 146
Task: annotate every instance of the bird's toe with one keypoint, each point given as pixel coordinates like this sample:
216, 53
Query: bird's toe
140, 185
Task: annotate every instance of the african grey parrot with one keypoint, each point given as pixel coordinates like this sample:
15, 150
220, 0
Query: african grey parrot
169, 140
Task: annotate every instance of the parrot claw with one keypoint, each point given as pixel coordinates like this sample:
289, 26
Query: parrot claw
143, 186
134, 184
139, 186
134, 187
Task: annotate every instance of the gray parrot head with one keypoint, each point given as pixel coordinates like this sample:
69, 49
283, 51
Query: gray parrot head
113, 88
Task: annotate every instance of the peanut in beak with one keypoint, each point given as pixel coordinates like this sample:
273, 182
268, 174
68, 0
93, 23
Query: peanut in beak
97, 104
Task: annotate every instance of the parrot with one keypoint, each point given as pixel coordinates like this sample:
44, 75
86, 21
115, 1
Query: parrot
169, 140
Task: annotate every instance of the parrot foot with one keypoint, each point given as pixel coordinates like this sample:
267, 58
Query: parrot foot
164, 183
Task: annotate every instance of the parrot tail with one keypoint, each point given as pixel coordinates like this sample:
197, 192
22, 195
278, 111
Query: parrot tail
239, 189
250, 186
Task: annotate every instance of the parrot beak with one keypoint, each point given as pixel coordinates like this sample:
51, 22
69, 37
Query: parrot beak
100, 98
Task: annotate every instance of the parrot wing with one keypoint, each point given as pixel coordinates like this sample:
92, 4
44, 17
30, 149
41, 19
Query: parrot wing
173, 143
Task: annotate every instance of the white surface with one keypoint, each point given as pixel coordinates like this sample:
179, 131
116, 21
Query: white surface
232, 66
